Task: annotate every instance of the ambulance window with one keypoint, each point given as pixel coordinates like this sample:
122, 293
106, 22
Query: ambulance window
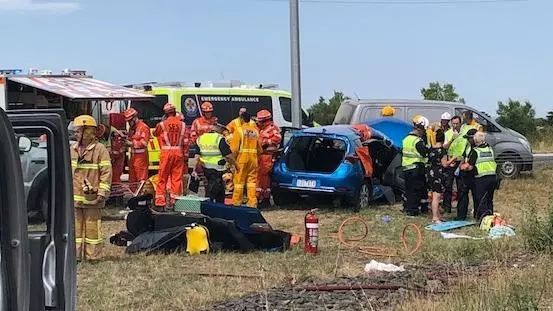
286, 108
226, 107
221, 106
189, 108
253, 104
151, 111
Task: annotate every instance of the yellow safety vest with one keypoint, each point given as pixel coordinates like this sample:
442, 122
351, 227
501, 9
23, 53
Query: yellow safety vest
410, 154
210, 155
466, 127
485, 162
449, 136
458, 146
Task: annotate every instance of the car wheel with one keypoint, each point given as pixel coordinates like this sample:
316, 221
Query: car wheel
508, 168
362, 197
283, 197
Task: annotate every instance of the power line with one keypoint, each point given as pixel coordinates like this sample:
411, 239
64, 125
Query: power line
399, 2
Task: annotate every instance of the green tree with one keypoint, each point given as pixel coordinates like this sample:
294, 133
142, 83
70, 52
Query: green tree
549, 118
517, 116
436, 91
324, 111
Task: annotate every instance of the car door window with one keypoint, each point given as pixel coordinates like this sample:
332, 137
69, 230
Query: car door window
479, 118
34, 156
433, 114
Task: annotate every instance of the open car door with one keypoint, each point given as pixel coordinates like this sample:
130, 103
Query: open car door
51, 238
14, 245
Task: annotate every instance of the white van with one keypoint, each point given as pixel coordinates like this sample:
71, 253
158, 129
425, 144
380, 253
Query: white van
513, 151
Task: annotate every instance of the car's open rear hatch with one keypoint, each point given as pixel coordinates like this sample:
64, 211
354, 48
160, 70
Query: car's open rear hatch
317, 154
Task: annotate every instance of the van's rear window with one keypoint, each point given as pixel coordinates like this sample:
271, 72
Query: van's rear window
344, 114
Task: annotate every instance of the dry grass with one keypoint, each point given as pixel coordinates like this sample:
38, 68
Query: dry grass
158, 282
528, 288
542, 147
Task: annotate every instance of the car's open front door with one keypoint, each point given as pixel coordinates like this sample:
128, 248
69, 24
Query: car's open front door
14, 246
51, 235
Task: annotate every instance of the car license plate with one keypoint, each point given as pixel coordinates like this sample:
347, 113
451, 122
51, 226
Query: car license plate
306, 183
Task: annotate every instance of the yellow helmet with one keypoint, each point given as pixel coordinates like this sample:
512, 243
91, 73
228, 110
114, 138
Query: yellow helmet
388, 111
84, 120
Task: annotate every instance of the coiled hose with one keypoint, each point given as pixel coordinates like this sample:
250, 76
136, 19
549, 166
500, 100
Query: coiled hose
375, 250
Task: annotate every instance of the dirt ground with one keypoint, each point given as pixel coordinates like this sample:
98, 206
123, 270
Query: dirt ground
441, 276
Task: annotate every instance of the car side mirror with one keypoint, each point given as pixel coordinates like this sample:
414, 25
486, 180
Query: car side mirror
25, 144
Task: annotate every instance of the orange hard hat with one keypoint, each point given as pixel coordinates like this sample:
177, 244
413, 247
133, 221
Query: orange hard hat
207, 107
263, 115
169, 108
129, 114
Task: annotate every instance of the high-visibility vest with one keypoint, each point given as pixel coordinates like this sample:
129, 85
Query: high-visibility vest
210, 155
458, 146
485, 162
449, 136
466, 127
410, 154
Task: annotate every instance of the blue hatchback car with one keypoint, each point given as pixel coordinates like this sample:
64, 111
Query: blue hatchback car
323, 161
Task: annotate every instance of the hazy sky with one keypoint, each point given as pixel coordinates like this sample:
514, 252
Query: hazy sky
489, 51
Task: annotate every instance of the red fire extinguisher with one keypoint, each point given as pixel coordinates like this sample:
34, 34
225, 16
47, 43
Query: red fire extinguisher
311, 233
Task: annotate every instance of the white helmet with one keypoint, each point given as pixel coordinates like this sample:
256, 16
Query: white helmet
446, 116
420, 121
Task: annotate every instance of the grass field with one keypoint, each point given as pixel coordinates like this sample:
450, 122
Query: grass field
157, 282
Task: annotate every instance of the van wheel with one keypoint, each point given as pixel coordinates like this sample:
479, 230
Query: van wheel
363, 196
283, 197
508, 167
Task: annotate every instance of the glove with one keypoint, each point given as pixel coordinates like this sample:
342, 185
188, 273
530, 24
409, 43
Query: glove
222, 162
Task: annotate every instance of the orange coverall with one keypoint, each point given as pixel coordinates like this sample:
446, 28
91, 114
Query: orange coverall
200, 126
173, 141
245, 147
139, 162
270, 139
117, 153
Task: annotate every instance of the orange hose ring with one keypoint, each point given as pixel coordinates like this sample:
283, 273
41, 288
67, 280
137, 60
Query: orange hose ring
375, 250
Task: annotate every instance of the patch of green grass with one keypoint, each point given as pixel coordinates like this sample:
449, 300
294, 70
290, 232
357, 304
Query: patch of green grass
538, 230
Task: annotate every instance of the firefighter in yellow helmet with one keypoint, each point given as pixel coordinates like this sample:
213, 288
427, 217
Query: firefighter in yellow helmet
91, 167
245, 147
388, 111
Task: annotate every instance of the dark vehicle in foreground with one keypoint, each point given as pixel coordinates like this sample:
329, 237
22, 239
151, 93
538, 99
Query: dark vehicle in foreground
37, 260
